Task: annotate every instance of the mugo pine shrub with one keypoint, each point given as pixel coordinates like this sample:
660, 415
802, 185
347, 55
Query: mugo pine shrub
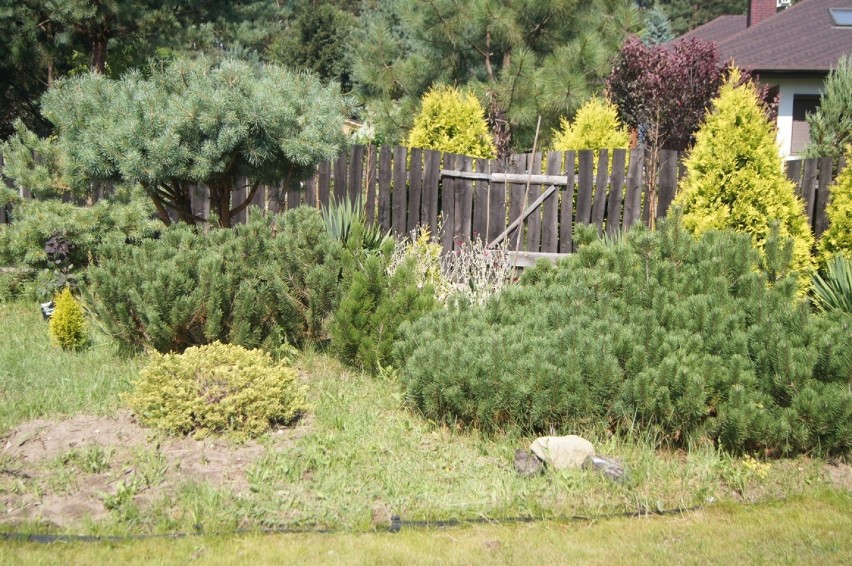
259, 285
67, 326
735, 178
662, 332
217, 388
378, 298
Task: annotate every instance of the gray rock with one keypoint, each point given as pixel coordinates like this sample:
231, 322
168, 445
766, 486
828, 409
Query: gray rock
563, 452
609, 467
527, 464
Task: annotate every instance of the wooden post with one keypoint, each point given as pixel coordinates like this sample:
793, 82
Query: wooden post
809, 178
794, 173
496, 203
479, 228
356, 173
820, 221
370, 203
324, 183
340, 174
431, 185
448, 203
464, 202
516, 202
666, 182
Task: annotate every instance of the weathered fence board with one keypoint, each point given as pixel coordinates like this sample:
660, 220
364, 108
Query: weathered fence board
616, 192
385, 159
400, 191
415, 185
479, 228
566, 203
534, 219
402, 188
585, 187
550, 208
599, 199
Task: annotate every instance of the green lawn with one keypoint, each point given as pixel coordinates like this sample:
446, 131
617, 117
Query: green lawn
807, 530
38, 380
360, 451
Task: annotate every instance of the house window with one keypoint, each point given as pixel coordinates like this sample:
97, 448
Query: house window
841, 17
802, 106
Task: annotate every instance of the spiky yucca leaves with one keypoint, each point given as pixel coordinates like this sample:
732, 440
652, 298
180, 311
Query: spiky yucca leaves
833, 289
684, 338
735, 177
257, 285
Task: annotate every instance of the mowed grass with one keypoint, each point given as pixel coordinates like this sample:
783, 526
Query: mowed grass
39, 380
806, 530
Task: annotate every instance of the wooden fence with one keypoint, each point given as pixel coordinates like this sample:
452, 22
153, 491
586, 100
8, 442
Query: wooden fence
401, 188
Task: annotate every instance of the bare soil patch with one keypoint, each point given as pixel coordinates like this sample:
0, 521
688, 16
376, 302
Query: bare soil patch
61, 471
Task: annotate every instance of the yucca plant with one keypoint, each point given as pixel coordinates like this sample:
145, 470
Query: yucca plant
834, 291
341, 215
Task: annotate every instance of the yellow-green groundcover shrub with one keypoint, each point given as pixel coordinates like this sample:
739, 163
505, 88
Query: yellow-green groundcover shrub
217, 388
67, 327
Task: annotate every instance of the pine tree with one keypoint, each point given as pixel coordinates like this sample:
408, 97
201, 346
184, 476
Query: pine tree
735, 177
831, 124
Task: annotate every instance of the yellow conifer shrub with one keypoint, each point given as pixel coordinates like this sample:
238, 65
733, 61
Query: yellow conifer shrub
596, 126
67, 326
837, 239
217, 388
453, 121
735, 178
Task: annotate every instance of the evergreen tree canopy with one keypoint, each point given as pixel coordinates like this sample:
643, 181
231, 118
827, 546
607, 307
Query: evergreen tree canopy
529, 57
735, 177
195, 122
686, 15
831, 124
658, 29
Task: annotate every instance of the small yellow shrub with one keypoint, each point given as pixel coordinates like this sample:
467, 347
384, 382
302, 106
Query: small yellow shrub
596, 126
67, 326
453, 121
217, 388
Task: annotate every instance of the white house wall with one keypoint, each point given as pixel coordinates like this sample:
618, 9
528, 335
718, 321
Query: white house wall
788, 88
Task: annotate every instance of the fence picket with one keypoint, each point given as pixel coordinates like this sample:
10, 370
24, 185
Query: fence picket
566, 220
616, 192
534, 220
479, 227
385, 188
550, 207
599, 200
415, 186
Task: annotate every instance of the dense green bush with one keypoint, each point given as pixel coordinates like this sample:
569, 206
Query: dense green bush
596, 126
216, 388
22, 243
664, 333
271, 281
68, 328
378, 298
735, 178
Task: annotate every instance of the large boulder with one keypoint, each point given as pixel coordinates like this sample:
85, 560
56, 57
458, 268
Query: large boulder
563, 452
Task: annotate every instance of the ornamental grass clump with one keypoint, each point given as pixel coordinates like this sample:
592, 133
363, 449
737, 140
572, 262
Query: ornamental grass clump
217, 388
661, 333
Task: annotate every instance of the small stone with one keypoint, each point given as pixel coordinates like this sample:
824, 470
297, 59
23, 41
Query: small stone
563, 452
527, 464
609, 467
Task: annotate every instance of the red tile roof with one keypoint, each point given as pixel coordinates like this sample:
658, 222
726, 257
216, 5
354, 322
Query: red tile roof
802, 38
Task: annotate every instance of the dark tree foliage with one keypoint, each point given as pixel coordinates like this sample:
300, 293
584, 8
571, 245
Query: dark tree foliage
686, 15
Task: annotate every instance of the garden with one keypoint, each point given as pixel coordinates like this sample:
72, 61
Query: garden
305, 371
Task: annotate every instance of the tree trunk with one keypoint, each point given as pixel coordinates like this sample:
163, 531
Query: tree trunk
99, 47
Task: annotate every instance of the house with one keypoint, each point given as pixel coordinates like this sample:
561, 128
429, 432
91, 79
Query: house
791, 48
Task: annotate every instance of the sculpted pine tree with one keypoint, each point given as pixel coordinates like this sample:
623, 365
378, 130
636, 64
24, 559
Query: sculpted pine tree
195, 122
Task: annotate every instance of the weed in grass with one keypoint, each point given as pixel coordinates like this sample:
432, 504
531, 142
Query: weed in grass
150, 466
91, 458
121, 502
